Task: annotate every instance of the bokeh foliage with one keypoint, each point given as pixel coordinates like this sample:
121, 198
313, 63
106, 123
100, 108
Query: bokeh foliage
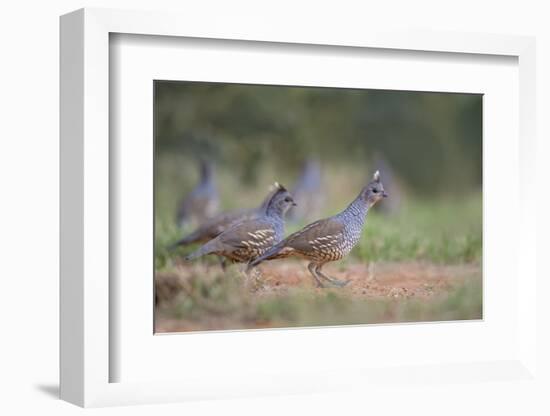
433, 141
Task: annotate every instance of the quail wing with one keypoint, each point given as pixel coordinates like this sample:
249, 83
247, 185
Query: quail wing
321, 232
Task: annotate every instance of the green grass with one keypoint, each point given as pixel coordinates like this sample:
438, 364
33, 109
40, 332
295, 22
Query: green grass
334, 308
441, 230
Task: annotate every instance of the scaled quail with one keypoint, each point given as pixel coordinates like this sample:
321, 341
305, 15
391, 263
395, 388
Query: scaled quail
203, 201
328, 239
248, 239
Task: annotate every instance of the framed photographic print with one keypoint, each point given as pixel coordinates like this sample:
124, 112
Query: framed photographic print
270, 212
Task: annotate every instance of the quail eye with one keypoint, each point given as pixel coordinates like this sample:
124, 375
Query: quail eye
287, 199
375, 190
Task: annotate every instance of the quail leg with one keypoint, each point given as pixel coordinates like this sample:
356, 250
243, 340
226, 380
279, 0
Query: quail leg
331, 280
312, 269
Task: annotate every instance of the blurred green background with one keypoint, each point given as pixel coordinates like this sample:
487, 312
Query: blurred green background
428, 144
432, 140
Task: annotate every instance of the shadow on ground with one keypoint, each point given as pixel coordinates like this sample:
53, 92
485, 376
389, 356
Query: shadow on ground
51, 390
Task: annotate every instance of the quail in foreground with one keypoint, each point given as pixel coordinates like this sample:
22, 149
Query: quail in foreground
328, 239
203, 201
307, 192
214, 226
248, 239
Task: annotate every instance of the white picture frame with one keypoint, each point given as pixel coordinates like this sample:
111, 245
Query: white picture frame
86, 353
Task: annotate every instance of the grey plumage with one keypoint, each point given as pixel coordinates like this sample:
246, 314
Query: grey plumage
203, 201
328, 239
248, 239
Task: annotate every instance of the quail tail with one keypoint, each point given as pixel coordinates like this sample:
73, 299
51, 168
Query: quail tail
267, 255
191, 238
208, 248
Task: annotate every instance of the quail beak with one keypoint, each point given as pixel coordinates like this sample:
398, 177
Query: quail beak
294, 204
384, 194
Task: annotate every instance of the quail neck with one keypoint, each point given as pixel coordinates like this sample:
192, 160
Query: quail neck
353, 218
274, 214
275, 211
358, 208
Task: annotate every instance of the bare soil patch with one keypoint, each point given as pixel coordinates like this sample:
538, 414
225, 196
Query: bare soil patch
202, 297
376, 280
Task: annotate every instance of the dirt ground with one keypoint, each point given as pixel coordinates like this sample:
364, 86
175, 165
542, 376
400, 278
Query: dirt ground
380, 280
391, 283
199, 286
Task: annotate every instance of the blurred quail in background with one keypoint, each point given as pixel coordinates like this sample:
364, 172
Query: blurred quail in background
203, 201
214, 226
307, 192
248, 239
328, 239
